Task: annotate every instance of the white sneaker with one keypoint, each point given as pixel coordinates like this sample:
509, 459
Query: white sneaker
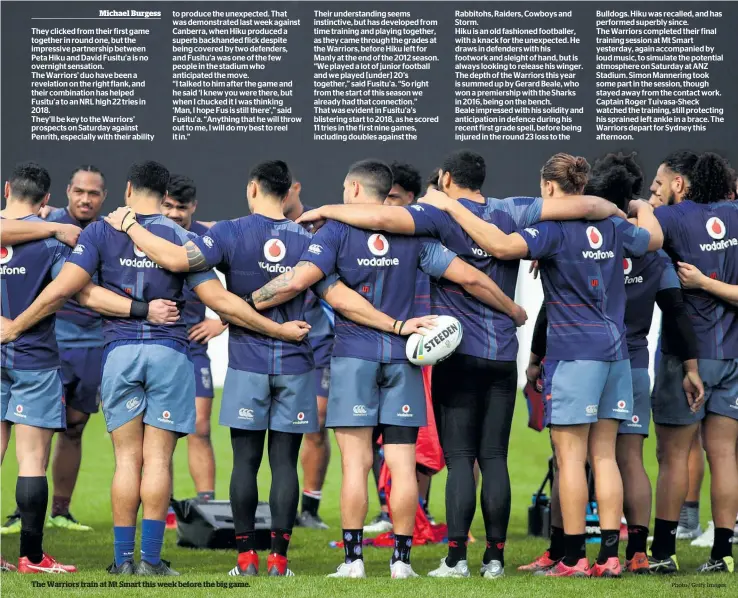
688, 533
353, 570
707, 539
400, 570
492, 570
379, 525
460, 570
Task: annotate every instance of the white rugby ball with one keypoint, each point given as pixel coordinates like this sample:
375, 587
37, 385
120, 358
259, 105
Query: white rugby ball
437, 345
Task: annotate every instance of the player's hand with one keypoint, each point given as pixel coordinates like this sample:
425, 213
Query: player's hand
67, 234
120, 218
205, 331
437, 199
45, 211
636, 205
312, 217
690, 276
534, 269
294, 332
8, 332
533, 373
422, 325
519, 316
162, 311
694, 390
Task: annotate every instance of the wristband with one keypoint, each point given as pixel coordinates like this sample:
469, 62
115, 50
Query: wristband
401, 327
250, 301
394, 325
139, 309
133, 217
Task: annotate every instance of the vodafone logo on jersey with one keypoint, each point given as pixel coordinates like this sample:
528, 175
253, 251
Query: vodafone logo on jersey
6, 254
378, 245
138, 252
274, 250
627, 265
715, 228
594, 236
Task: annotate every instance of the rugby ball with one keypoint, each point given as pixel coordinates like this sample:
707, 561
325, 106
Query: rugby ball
437, 345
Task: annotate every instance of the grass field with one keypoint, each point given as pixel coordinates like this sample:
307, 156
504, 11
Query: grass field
310, 556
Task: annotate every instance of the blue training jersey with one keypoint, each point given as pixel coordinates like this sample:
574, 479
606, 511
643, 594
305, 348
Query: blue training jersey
124, 269
382, 268
26, 269
251, 251
76, 326
584, 292
644, 277
422, 305
194, 309
488, 333
706, 236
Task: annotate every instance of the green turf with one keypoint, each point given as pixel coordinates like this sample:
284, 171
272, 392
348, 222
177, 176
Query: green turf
310, 556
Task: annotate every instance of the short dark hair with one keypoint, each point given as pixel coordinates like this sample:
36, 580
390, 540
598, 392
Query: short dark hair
467, 169
29, 181
407, 177
273, 176
616, 178
182, 189
432, 180
681, 162
375, 175
87, 168
711, 180
149, 176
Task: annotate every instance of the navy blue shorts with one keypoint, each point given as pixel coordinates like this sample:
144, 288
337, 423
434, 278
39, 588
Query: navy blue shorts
81, 372
641, 418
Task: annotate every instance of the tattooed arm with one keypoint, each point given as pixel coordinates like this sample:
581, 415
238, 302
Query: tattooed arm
287, 285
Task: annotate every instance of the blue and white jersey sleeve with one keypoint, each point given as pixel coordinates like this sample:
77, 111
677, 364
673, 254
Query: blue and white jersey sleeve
195, 278
525, 211
59, 255
429, 220
669, 278
324, 284
325, 246
635, 239
86, 254
435, 259
544, 240
215, 245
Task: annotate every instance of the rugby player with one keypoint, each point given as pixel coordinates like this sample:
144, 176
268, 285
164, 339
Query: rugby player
474, 390
316, 450
252, 251
372, 383
587, 372
697, 231
179, 205
148, 386
648, 280
32, 391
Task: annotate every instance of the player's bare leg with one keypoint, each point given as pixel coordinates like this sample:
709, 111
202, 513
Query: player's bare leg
200, 450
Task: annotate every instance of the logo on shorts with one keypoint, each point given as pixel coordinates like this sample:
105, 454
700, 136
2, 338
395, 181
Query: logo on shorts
208, 241
378, 244
19, 411
325, 379
131, 404
274, 250
635, 422
735, 406
621, 408
635, 419
360, 410
591, 410
205, 377
300, 419
165, 417
405, 411
244, 413
594, 236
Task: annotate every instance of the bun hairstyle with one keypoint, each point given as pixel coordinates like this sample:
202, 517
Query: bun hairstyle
570, 173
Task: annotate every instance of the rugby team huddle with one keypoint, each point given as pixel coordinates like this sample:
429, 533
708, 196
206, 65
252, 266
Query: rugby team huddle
318, 302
